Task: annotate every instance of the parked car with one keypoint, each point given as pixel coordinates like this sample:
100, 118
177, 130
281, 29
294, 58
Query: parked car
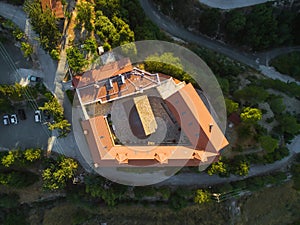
13, 119
34, 78
37, 116
21, 114
5, 120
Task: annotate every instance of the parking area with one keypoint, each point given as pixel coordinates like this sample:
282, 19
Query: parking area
25, 134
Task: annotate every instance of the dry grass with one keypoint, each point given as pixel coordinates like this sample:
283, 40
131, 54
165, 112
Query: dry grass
137, 214
276, 205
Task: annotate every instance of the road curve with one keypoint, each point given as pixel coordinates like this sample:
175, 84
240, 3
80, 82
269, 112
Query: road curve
231, 4
168, 25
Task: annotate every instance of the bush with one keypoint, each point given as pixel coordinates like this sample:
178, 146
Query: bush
202, 196
288, 64
18, 179
10, 200
54, 54
177, 200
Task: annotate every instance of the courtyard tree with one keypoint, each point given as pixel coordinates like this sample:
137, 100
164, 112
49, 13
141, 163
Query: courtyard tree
54, 54
251, 115
268, 143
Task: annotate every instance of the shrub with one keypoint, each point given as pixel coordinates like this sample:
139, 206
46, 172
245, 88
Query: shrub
202, 196
54, 54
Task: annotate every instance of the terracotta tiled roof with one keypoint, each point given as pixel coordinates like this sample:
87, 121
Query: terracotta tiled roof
105, 72
195, 120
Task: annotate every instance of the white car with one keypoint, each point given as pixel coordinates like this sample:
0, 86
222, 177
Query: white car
13, 119
5, 120
37, 116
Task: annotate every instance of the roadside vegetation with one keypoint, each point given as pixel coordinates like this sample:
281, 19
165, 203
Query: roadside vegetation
259, 137
59, 122
257, 27
44, 24
83, 202
288, 64
107, 24
10, 30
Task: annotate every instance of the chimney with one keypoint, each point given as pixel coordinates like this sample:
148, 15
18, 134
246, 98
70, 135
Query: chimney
210, 127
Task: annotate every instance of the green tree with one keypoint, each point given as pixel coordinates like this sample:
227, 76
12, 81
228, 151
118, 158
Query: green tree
62, 124
8, 159
277, 105
209, 21
54, 108
202, 196
289, 124
76, 59
32, 155
242, 169
55, 54
126, 35
268, 143
219, 168
90, 45
231, 106
235, 25
44, 23
26, 48
251, 115
261, 27
85, 15
57, 174
252, 94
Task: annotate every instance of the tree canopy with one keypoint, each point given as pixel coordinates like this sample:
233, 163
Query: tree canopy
202, 196
268, 143
252, 94
251, 115
44, 23
56, 175
231, 106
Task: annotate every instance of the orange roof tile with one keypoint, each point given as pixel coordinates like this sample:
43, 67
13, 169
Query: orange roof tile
105, 72
195, 119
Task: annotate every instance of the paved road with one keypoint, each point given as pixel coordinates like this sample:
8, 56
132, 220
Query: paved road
231, 4
257, 61
203, 179
68, 146
25, 134
265, 57
174, 29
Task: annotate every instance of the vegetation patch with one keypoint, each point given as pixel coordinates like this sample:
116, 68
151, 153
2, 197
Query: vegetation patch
288, 64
